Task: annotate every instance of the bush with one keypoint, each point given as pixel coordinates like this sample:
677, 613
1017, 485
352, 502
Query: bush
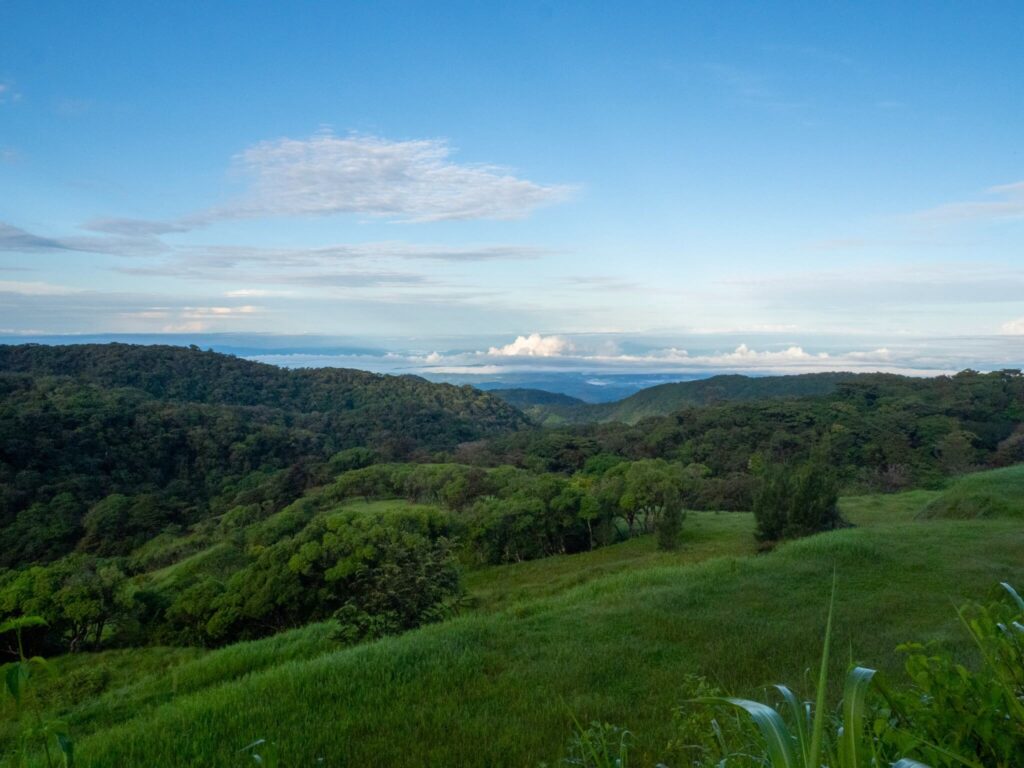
796, 501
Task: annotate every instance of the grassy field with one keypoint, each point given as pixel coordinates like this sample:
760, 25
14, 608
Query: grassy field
999, 493
705, 535
608, 635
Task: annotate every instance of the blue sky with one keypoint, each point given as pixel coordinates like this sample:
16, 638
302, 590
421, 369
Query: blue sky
657, 185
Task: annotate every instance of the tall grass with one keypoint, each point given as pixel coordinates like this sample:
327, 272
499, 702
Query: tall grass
494, 689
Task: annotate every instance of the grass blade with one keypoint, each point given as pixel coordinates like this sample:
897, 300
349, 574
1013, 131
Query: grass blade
818, 726
1013, 594
799, 712
772, 727
855, 693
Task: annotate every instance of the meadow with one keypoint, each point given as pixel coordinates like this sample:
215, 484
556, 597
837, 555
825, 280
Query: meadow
612, 635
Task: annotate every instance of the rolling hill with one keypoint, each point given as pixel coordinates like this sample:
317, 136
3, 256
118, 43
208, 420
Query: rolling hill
663, 399
172, 429
616, 642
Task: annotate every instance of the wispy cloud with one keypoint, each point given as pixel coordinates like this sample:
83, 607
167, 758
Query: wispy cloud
1002, 202
358, 265
133, 227
33, 288
8, 93
363, 265
902, 286
413, 181
15, 239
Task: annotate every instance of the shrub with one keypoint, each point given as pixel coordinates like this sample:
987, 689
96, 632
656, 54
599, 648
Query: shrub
796, 501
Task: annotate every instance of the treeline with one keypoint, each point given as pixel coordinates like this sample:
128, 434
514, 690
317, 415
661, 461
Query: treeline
261, 566
881, 433
507, 514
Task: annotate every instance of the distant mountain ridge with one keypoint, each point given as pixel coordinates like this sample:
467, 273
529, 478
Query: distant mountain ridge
663, 399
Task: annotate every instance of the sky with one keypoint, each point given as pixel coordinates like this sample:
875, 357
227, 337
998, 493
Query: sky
657, 186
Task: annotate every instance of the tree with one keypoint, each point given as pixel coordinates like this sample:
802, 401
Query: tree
796, 500
669, 527
79, 597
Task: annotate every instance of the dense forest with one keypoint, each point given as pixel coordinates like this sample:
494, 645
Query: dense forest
663, 399
171, 495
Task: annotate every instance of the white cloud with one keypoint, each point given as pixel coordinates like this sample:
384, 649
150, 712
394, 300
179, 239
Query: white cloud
413, 180
34, 288
533, 345
1006, 202
1013, 327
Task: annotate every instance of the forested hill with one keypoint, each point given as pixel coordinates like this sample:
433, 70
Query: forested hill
665, 399
176, 428
189, 375
541, 405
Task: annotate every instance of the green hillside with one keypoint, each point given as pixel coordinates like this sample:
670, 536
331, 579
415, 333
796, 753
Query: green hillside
663, 399
999, 493
378, 570
610, 634
178, 433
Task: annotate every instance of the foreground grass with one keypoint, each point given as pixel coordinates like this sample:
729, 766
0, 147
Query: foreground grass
499, 688
91, 691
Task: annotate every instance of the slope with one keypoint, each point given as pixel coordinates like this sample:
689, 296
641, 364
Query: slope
664, 399
161, 433
500, 688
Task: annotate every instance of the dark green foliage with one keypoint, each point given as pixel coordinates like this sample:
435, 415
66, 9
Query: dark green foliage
669, 528
541, 405
882, 432
664, 399
79, 597
796, 500
117, 439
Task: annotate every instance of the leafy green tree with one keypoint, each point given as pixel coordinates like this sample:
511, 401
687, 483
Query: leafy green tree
79, 597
